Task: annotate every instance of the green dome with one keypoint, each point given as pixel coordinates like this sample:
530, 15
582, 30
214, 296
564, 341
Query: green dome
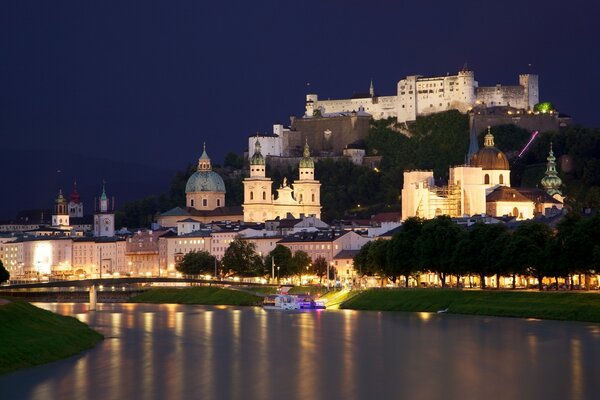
205, 181
257, 158
307, 161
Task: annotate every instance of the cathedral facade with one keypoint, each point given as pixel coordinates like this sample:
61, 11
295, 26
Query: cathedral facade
302, 198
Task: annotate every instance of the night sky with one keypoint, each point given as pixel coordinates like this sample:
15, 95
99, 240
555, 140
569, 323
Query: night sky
128, 91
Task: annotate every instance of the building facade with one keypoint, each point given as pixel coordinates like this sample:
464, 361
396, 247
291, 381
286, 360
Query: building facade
303, 198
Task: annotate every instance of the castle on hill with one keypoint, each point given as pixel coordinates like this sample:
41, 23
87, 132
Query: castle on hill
418, 95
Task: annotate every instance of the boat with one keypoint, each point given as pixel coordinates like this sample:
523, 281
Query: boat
287, 302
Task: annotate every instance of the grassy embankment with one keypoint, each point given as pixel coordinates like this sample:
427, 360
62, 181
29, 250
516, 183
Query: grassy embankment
198, 295
31, 336
543, 305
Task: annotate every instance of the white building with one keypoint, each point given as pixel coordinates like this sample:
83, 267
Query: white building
418, 95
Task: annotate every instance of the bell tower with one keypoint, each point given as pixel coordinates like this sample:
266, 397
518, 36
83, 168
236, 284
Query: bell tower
60, 217
104, 218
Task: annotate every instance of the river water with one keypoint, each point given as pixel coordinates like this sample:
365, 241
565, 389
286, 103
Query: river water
181, 352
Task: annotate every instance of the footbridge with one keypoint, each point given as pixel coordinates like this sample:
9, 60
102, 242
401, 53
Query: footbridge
92, 285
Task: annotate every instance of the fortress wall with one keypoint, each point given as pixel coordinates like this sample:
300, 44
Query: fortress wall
513, 96
531, 122
326, 134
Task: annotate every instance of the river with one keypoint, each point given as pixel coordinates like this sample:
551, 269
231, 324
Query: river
182, 351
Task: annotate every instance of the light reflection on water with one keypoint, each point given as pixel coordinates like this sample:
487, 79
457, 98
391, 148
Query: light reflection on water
176, 351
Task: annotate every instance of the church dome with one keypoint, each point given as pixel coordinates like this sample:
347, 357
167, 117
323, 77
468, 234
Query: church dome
307, 161
257, 158
490, 157
204, 179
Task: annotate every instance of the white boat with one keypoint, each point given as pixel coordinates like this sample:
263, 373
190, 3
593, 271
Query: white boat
286, 302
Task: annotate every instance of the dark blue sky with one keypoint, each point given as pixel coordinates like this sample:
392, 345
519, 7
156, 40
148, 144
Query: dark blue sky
147, 82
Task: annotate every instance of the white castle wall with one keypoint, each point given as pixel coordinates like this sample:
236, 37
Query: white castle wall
418, 95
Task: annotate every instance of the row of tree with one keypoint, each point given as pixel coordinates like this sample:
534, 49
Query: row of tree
241, 259
440, 246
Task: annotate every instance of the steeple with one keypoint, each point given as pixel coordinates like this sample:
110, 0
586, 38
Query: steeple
257, 157
60, 204
551, 182
204, 160
489, 138
307, 164
103, 198
372, 89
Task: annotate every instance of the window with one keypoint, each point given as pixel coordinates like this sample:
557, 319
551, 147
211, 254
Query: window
264, 195
501, 179
191, 202
251, 195
218, 202
486, 179
313, 197
515, 212
204, 202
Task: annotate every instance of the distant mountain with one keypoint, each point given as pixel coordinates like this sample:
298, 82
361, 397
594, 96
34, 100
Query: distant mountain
31, 179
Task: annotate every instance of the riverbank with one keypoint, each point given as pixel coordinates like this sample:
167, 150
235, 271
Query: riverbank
564, 306
198, 295
31, 336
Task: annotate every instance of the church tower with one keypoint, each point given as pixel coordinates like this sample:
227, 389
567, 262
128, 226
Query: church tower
258, 200
60, 217
551, 182
104, 219
75, 204
307, 190
372, 89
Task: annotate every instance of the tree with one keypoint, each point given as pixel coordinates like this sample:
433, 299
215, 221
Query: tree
435, 246
401, 257
300, 262
527, 249
281, 259
4, 274
377, 260
320, 267
241, 259
197, 263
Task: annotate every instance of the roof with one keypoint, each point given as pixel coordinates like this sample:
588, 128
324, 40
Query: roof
345, 254
508, 194
391, 232
316, 236
189, 220
192, 212
393, 216
538, 195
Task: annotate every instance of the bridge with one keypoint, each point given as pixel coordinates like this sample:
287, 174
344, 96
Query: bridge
94, 284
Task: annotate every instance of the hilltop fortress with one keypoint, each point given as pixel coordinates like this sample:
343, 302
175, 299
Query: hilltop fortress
417, 95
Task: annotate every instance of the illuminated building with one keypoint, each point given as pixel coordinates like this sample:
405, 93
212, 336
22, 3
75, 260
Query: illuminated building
303, 198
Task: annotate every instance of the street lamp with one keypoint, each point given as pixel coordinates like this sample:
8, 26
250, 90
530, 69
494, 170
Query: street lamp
278, 274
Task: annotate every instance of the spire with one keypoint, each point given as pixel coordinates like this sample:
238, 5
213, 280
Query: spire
489, 138
257, 157
103, 196
473, 145
306, 161
372, 89
204, 160
551, 182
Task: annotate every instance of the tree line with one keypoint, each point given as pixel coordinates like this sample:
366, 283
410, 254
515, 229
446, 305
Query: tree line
442, 247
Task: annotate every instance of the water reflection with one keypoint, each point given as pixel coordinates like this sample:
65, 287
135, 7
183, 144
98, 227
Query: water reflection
176, 351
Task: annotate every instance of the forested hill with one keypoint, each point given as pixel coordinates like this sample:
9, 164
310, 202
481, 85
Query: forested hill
433, 142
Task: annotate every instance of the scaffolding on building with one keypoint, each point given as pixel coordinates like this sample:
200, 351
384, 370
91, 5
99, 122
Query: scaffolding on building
445, 200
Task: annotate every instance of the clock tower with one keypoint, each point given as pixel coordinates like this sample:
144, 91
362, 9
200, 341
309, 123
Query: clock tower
104, 219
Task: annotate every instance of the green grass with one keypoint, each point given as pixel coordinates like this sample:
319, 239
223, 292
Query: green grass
198, 295
546, 305
31, 336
